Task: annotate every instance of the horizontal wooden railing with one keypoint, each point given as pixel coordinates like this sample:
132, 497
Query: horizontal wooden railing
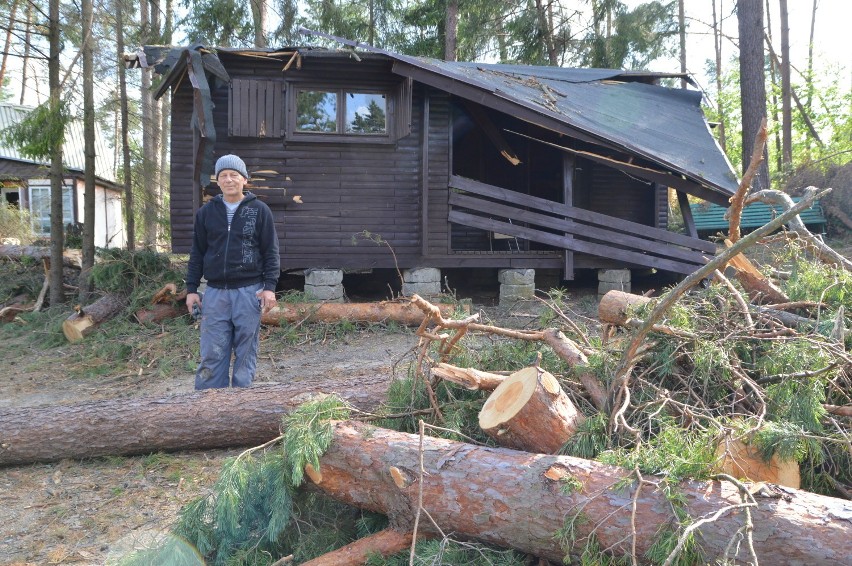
566, 227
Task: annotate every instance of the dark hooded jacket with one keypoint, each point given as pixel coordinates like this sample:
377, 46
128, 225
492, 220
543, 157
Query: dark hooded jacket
242, 255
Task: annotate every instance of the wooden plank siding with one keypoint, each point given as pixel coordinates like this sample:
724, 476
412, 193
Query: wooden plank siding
397, 189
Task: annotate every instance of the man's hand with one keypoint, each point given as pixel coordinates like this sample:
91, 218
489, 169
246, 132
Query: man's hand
267, 300
192, 299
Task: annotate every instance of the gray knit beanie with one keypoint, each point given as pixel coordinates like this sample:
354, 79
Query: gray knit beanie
231, 161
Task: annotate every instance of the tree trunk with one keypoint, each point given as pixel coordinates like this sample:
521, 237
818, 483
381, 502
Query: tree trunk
9, 30
258, 16
468, 378
720, 105
160, 312
150, 127
759, 288
82, 323
403, 313
88, 247
451, 29
546, 33
529, 411
786, 96
25, 60
213, 418
291, 313
774, 71
681, 25
825, 253
129, 211
57, 234
70, 258
809, 78
752, 86
507, 498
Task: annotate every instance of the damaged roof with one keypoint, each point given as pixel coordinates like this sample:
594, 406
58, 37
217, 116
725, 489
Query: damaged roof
621, 108
625, 110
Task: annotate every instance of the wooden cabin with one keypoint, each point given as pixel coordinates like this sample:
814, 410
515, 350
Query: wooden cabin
450, 164
25, 183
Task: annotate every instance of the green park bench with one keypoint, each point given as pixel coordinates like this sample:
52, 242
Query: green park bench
710, 218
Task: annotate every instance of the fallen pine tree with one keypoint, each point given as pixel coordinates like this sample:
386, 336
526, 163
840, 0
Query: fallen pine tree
487, 494
166, 305
216, 418
385, 311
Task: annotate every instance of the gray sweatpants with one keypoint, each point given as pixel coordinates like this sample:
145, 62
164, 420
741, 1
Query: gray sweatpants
230, 323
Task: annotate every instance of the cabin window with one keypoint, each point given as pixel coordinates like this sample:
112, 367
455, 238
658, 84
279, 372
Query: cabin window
40, 205
346, 112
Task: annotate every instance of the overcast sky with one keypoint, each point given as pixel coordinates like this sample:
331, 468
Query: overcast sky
832, 45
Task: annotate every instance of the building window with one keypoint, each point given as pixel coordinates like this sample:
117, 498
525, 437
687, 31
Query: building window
341, 112
40, 205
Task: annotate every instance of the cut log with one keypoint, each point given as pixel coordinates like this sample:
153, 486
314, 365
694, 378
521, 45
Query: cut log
168, 294
384, 543
504, 497
469, 378
214, 418
83, 322
70, 258
615, 306
8, 314
741, 460
166, 304
159, 312
839, 410
530, 411
563, 347
759, 288
403, 313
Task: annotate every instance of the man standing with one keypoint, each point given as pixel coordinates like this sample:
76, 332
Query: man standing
235, 247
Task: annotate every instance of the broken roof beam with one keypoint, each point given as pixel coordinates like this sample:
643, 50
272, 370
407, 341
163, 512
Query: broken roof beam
483, 121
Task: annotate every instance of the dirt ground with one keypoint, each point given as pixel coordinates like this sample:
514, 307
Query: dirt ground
94, 511
88, 512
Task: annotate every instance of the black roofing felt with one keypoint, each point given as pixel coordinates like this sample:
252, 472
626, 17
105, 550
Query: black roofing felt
664, 125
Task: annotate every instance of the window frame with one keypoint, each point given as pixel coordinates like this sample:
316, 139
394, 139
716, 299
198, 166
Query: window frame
67, 204
388, 137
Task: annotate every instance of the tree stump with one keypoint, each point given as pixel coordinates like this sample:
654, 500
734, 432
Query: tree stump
83, 322
530, 411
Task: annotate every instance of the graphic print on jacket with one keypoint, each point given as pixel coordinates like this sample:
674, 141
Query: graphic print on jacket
249, 217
